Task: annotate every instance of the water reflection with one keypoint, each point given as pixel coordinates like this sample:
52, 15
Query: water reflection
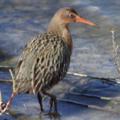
39, 117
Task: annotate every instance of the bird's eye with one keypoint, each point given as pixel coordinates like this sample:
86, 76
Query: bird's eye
68, 14
71, 15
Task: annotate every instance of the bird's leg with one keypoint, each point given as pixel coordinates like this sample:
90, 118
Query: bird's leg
8, 103
53, 102
40, 101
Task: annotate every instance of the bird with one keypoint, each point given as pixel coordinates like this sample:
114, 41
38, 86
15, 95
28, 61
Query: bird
45, 59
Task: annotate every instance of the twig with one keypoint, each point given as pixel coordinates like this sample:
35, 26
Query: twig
115, 99
111, 80
5, 81
89, 106
115, 51
11, 73
13, 80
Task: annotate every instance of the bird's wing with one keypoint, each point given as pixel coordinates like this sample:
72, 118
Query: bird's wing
25, 63
47, 66
37, 44
39, 60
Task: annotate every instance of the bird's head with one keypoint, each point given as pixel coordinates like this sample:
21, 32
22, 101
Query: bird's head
60, 21
69, 15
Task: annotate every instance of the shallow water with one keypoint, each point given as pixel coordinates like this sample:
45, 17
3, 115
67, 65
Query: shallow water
79, 99
20, 20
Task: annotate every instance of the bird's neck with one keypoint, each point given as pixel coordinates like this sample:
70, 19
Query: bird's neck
63, 31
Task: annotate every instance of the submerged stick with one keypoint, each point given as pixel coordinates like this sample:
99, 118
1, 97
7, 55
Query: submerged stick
90, 106
5, 68
5, 81
110, 80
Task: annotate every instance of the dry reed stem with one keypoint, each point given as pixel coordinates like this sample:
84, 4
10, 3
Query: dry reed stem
115, 51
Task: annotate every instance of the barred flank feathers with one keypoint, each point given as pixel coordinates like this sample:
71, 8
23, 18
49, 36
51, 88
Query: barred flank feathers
43, 63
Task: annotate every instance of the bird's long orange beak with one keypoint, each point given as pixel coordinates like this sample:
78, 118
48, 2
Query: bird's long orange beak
85, 21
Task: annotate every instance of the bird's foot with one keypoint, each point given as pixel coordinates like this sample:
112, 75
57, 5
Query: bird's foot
42, 112
53, 114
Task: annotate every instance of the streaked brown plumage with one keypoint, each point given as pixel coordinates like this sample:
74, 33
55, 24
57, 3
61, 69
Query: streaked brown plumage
45, 60
43, 63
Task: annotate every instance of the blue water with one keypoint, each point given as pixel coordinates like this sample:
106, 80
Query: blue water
20, 20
